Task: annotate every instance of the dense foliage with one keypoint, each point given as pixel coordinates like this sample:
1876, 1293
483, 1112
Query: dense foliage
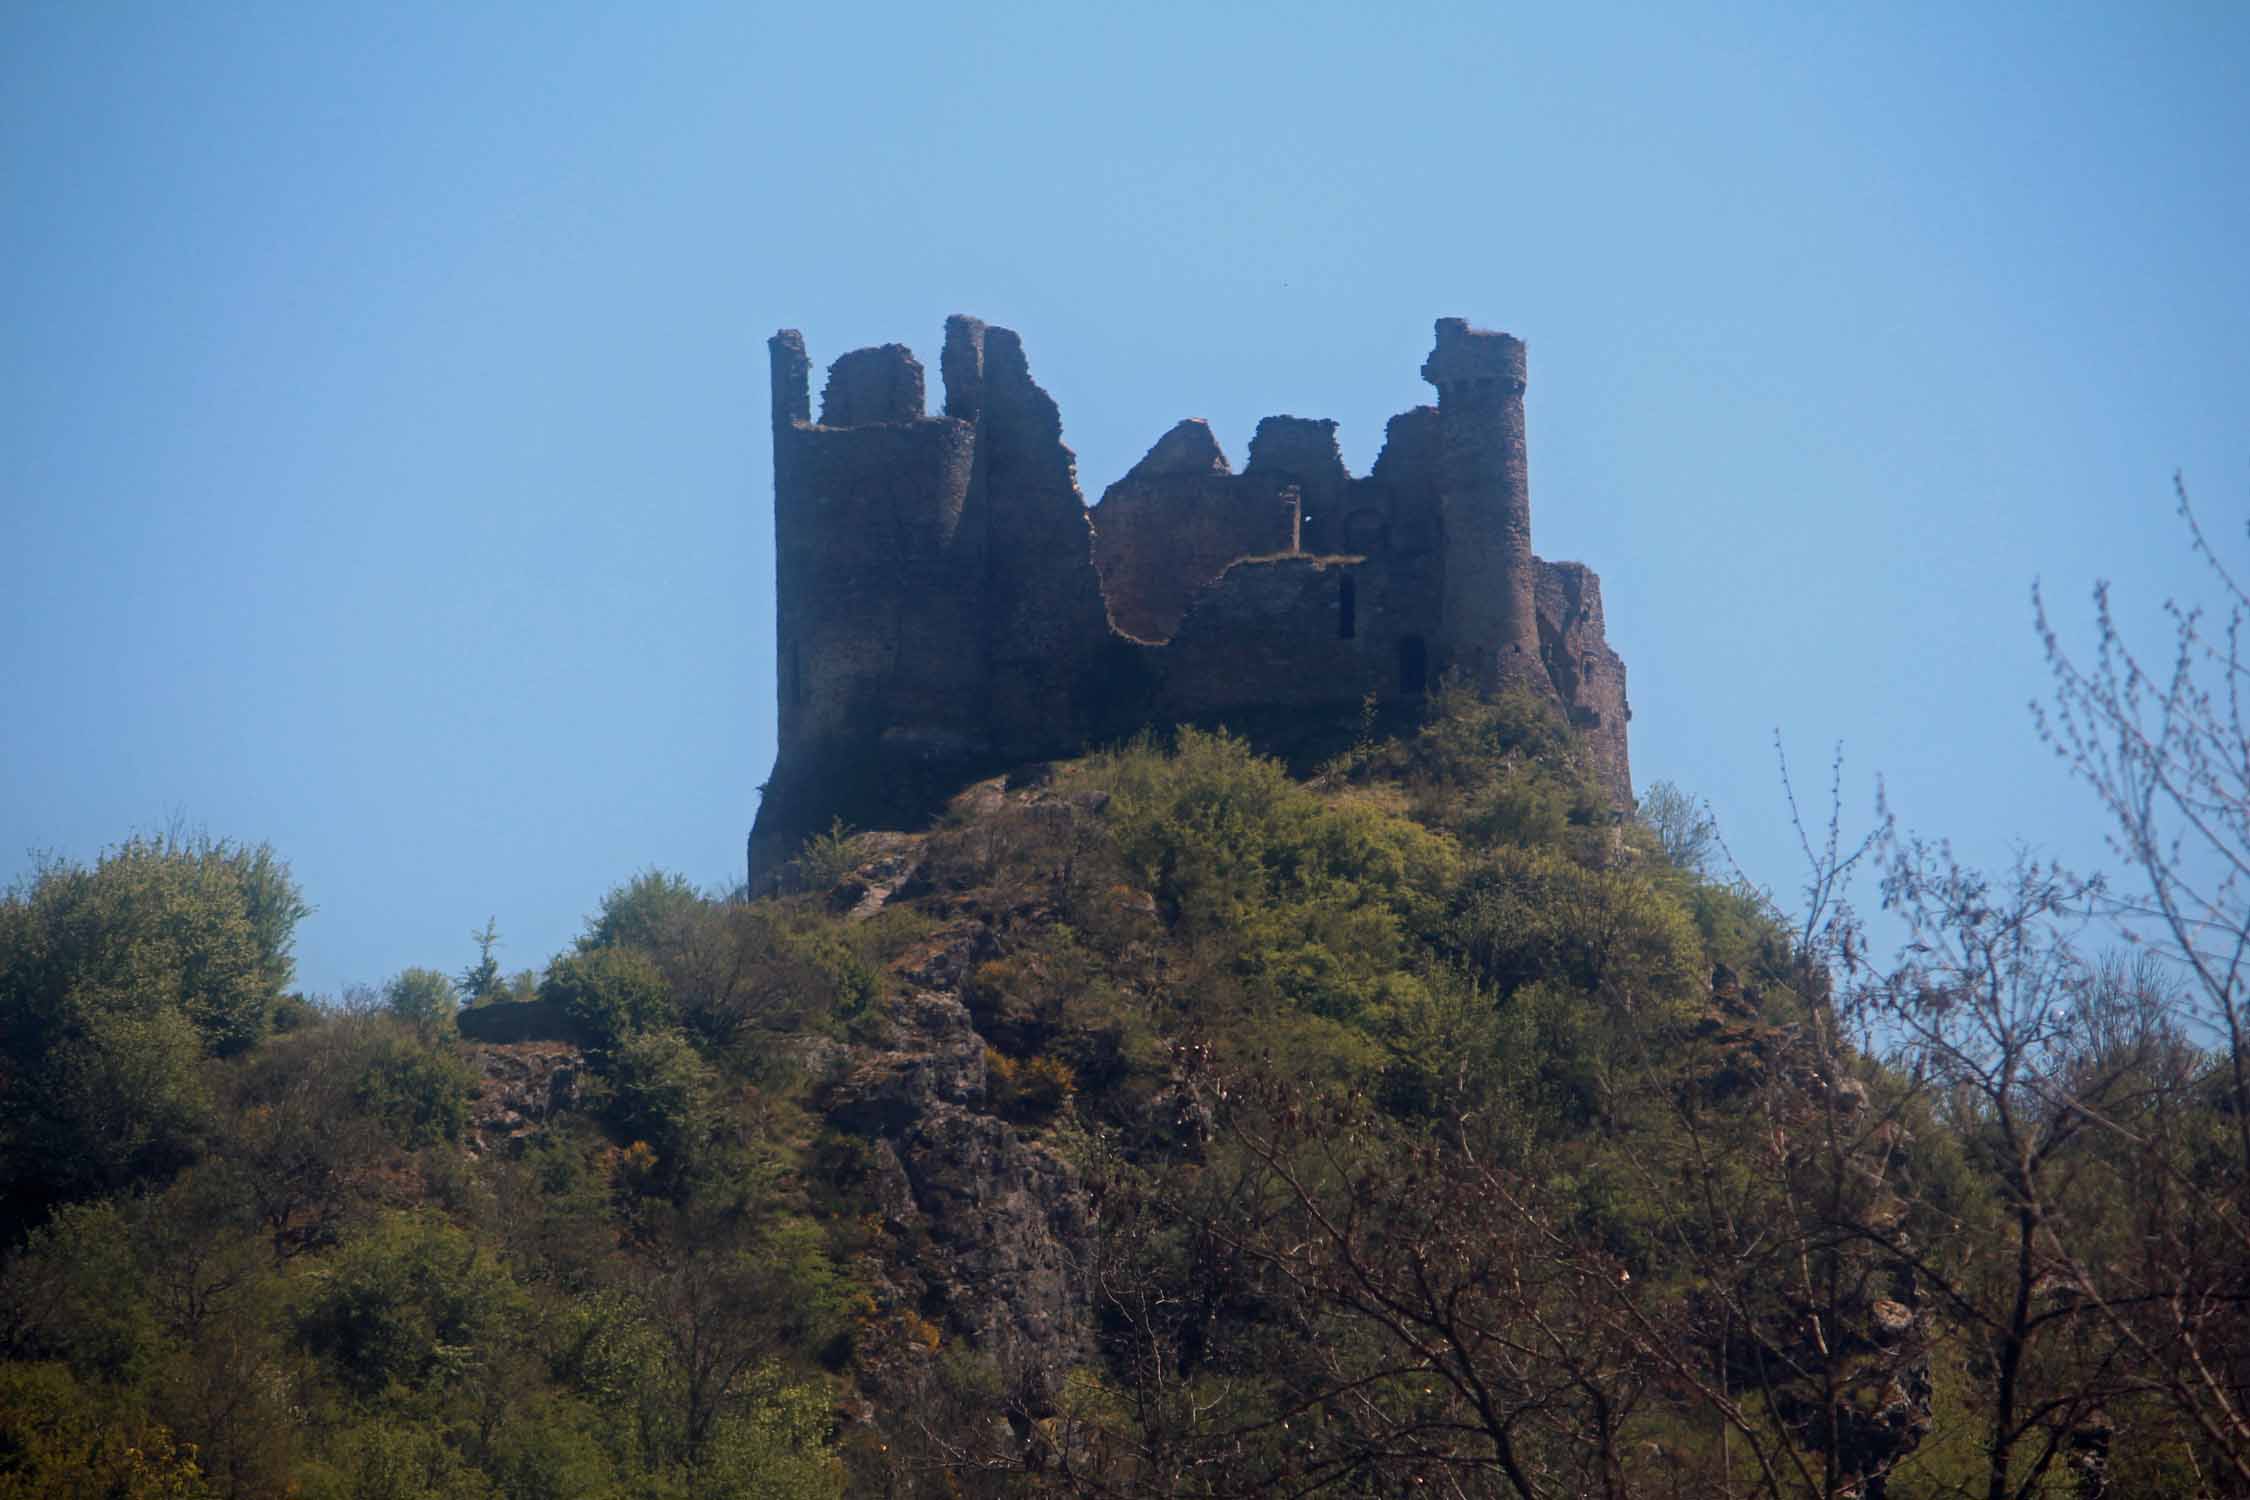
1418, 1126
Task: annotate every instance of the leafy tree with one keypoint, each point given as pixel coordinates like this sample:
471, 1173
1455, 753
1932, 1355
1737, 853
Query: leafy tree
393, 1459
661, 1094
1684, 827
828, 857
418, 1089
74, 1293
608, 994
642, 913
410, 1305
271, 902
114, 982
774, 1445
296, 1135
61, 1439
424, 999
1533, 914
480, 982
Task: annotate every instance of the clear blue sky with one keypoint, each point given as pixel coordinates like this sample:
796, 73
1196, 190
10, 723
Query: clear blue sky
383, 463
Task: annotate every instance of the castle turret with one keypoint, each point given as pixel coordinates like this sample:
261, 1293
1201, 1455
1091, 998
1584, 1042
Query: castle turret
792, 408
1490, 607
881, 596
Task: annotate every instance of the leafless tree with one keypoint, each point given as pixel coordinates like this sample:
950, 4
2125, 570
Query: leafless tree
2164, 744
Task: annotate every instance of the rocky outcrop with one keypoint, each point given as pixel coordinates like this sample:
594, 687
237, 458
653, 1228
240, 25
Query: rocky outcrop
989, 1223
521, 1086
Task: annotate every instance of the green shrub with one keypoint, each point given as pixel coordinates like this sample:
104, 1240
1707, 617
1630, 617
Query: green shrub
394, 1460
424, 999
410, 1305
1504, 770
1029, 1092
115, 982
827, 858
295, 1013
775, 1444
1220, 833
607, 994
75, 1292
417, 1089
61, 1439
645, 912
661, 1093
1529, 915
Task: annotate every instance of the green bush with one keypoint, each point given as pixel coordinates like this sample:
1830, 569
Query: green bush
661, 1093
424, 999
419, 1090
1505, 770
411, 1305
76, 1292
645, 912
827, 858
62, 1439
394, 1460
1029, 1092
115, 982
1220, 834
1529, 915
607, 994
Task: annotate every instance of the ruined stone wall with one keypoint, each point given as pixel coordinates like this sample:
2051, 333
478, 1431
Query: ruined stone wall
1589, 676
1175, 523
1273, 633
880, 615
946, 603
882, 622
1045, 622
1300, 454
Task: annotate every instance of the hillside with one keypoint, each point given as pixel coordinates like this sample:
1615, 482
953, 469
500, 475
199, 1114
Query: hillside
1158, 1122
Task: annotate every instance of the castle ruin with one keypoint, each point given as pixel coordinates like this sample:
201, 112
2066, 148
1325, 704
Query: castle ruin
948, 605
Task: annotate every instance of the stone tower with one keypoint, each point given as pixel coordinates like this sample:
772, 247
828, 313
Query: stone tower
1490, 613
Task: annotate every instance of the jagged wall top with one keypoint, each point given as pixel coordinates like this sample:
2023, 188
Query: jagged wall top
946, 601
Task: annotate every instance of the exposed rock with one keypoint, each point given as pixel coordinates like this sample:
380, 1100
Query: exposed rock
996, 1220
522, 1086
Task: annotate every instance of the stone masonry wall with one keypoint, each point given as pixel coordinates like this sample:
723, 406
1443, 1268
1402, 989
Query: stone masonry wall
1588, 674
1170, 527
1271, 634
947, 604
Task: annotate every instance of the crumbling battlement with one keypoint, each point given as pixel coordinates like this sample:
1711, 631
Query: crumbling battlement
948, 605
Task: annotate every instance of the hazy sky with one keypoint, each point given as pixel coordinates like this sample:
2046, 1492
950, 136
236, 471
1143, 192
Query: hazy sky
383, 460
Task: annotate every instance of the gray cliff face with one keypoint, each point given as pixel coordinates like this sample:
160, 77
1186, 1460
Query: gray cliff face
990, 1227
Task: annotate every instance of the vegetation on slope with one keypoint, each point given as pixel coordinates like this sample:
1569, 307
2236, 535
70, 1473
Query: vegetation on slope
1160, 1123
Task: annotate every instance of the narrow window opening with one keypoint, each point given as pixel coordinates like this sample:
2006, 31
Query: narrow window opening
1413, 665
1347, 611
796, 677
